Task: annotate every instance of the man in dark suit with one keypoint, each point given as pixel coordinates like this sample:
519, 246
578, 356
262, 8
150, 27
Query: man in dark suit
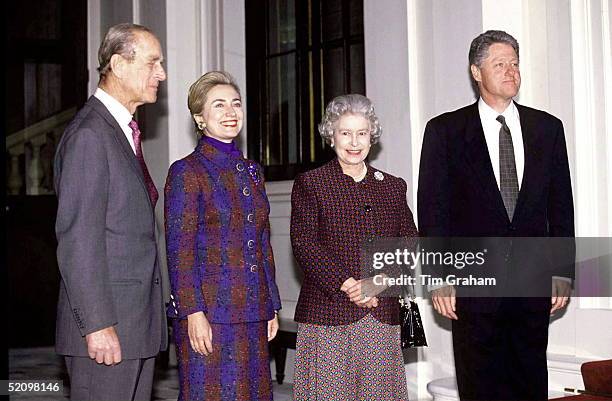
110, 320
498, 169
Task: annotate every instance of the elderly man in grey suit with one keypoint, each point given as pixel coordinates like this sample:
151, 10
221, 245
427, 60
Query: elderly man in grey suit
110, 320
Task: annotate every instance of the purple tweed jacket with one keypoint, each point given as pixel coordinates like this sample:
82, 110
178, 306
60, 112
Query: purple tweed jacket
218, 239
331, 216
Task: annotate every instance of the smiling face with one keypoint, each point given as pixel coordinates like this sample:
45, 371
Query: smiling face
499, 77
222, 114
351, 140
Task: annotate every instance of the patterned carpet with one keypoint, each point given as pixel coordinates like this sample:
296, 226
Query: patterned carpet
44, 364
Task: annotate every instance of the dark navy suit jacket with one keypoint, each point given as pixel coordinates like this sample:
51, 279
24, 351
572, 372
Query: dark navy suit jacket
458, 195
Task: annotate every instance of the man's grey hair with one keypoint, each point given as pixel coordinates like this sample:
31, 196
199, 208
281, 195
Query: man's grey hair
349, 104
479, 49
120, 39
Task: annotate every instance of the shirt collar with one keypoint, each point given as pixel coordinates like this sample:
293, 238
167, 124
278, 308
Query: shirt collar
117, 110
487, 113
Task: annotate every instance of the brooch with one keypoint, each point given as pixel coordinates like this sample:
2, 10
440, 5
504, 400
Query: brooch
379, 176
254, 173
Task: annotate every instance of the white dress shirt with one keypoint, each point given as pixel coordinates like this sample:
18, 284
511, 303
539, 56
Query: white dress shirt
119, 113
491, 129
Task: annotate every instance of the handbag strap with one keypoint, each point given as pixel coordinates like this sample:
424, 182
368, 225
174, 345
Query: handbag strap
405, 294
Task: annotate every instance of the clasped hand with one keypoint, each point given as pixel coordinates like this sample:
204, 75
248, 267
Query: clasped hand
362, 292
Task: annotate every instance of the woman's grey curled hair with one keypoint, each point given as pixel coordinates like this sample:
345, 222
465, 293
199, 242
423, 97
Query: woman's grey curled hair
351, 104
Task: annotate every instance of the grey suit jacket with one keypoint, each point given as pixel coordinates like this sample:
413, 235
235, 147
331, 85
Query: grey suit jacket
105, 228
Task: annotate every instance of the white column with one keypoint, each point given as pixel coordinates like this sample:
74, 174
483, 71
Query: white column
211, 29
593, 79
190, 43
233, 56
606, 37
387, 83
591, 103
94, 38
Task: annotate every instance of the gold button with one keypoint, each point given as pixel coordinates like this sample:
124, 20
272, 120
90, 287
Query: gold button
250, 217
253, 268
251, 244
239, 167
246, 191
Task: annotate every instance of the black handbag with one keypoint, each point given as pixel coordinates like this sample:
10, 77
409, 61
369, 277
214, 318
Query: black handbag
413, 334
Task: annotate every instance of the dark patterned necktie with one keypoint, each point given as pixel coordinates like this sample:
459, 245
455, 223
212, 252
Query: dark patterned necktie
136, 134
508, 180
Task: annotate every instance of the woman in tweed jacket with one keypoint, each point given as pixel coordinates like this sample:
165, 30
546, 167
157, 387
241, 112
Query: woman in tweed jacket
223, 293
348, 342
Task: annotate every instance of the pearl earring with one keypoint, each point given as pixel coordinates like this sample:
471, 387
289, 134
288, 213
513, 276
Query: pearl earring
201, 126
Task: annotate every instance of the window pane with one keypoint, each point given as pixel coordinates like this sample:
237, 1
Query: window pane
331, 19
357, 69
281, 25
42, 91
281, 139
356, 17
300, 54
312, 131
333, 74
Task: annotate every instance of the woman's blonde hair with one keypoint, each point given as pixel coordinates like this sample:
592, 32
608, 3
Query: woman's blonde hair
198, 91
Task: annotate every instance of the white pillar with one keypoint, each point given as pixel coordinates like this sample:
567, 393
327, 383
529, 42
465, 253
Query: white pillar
387, 84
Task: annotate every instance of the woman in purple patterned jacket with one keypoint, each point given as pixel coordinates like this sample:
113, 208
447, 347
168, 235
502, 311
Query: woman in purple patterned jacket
224, 297
348, 340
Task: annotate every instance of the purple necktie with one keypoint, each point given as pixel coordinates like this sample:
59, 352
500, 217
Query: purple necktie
153, 195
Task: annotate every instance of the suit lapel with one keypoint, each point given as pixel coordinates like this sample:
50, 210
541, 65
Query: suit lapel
119, 136
477, 154
530, 140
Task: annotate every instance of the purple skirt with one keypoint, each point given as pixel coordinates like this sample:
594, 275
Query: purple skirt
238, 368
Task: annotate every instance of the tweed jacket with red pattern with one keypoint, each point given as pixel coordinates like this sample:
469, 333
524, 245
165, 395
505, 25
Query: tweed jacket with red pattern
331, 216
220, 260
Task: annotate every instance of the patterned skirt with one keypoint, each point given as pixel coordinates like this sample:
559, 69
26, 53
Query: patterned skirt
361, 361
238, 368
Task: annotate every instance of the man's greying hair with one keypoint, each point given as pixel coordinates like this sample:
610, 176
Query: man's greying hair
349, 104
119, 39
479, 49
